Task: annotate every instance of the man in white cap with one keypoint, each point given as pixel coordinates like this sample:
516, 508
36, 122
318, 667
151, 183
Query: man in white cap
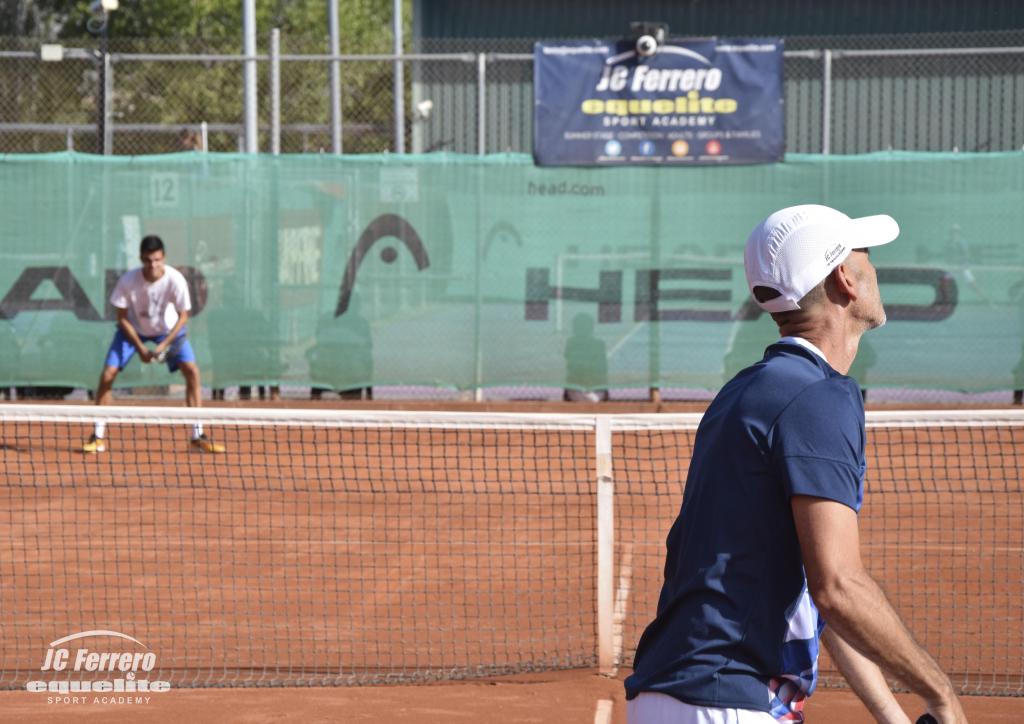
767, 535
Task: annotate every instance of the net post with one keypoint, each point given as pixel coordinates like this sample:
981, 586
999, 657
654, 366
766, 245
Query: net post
605, 546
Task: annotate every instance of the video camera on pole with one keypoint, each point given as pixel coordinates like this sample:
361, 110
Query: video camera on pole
649, 36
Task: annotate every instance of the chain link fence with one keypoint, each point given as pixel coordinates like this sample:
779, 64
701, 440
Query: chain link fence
909, 92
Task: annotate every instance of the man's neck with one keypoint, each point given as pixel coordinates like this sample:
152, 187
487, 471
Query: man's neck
800, 341
837, 342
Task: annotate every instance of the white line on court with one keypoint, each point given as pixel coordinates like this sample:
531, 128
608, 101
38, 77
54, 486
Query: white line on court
622, 602
603, 715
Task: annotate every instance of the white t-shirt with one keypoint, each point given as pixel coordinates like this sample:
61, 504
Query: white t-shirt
152, 307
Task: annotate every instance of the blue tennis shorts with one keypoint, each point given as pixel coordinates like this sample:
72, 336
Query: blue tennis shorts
122, 350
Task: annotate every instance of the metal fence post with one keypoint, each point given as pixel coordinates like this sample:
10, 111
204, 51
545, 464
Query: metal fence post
252, 144
481, 103
481, 77
107, 141
396, 19
275, 91
101, 91
826, 103
334, 48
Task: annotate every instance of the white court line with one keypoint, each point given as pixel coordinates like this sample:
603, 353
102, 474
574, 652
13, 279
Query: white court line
603, 715
622, 603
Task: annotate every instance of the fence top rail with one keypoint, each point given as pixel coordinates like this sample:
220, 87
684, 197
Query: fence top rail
508, 56
389, 57
63, 127
69, 54
212, 126
895, 52
498, 57
72, 53
292, 57
186, 58
809, 54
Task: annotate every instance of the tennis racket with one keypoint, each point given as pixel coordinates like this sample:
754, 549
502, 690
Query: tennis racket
169, 351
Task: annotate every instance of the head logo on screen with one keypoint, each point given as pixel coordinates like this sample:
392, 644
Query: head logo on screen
502, 232
93, 672
385, 226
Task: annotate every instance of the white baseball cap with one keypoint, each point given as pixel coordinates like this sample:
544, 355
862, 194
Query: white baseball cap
795, 248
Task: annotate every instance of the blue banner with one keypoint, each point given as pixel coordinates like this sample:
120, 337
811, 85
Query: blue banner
694, 102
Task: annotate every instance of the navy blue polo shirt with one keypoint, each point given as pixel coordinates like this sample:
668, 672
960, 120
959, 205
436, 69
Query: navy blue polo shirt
735, 625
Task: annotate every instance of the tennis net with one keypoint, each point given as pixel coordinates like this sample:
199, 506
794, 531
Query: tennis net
353, 547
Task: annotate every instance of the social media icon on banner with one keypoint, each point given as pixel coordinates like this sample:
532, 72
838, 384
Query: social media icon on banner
680, 148
647, 148
713, 148
613, 148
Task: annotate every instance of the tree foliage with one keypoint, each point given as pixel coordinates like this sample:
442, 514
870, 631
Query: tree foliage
31, 18
180, 94
362, 21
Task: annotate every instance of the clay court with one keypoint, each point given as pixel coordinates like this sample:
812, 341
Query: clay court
431, 570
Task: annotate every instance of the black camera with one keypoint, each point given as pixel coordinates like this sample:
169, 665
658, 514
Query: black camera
649, 36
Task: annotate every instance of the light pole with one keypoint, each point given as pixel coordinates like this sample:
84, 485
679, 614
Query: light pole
99, 25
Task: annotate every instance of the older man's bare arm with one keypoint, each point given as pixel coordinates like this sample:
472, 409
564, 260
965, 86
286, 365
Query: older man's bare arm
853, 604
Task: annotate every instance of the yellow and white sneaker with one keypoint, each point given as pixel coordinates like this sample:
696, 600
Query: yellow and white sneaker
94, 445
206, 444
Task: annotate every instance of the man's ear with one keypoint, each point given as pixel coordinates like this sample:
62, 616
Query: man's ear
845, 280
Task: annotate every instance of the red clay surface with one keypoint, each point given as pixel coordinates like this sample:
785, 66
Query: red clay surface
415, 556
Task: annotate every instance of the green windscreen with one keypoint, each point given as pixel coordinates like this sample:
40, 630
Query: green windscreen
464, 271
